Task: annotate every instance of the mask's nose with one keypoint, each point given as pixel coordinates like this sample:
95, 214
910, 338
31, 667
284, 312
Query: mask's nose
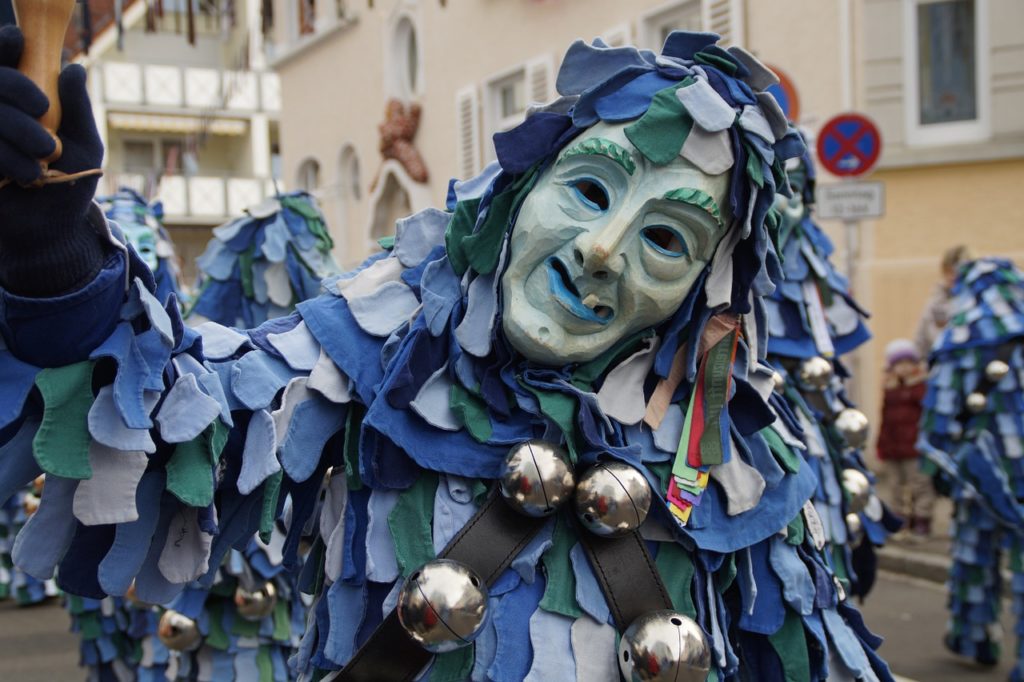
600, 253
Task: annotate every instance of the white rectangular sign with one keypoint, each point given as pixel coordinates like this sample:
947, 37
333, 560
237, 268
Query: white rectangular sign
850, 200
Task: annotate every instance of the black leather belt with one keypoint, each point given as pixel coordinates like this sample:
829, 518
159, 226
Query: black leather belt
487, 544
490, 541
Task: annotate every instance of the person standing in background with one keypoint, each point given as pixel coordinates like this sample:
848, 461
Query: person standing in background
910, 490
936, 311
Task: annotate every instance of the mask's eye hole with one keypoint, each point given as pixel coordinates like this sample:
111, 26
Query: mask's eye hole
591, 193
665, 240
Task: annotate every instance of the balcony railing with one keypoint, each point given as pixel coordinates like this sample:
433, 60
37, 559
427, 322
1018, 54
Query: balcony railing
196, 199
192, 88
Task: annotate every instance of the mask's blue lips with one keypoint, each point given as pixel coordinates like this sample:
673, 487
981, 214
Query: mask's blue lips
568, 296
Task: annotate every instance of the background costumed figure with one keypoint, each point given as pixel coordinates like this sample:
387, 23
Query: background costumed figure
973, 436
812, 321
15, 583
261, 265
599, 289
141, 223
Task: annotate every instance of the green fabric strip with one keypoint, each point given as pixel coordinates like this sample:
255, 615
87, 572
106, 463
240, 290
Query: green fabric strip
717, 61
483, 248
411, 523
453, 666
726, 575
754, 169
190, 473
786, 457
681, 465
560, 408
660, 133
245, 628
716, 392
472, 412
353, 427
282, 623
560, 589
268, 513
459, 228
245, 260
676, 568
795, 531
61, 445
264, 664
790, 644
218, 637
387, 243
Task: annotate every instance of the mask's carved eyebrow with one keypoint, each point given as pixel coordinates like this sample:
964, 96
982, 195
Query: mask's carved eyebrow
697, 198
599, 146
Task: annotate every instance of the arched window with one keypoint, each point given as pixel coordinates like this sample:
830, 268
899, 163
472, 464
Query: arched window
406, 69
349, 180
393, 204
308, 177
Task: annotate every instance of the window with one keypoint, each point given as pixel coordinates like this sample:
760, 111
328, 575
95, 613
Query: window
308, 177
947, 90
313, 14
945, 67
678, 16
210, 16
139, 156
404, 67
348, 174
506, 101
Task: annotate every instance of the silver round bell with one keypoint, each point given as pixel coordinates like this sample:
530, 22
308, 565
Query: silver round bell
177, 631
996, 370
976, 402
855, 528
29, 504
612, 499
443, 605
258, 604
664, 646
852, 425
816, 373
858, 487
778, 382
537, 478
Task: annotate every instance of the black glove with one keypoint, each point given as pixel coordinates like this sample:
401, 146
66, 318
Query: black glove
46, 245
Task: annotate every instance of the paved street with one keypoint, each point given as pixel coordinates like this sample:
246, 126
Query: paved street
35, 645
911, 615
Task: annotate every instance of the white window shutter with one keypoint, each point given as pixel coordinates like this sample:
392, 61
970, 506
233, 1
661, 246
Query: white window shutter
467, 125
540, 81
725, 17
617, 36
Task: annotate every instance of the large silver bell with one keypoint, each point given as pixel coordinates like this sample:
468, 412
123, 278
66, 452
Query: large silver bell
976, 402
858, 487
816, 373
177, 631
257, 604
443, 605
996, 370
537, 478
664, 646
852, 425
778, 382
612, 499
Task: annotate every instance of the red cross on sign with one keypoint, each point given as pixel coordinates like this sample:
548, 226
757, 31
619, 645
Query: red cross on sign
849, 145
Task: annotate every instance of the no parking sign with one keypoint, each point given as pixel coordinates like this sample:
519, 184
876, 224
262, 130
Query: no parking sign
849, 145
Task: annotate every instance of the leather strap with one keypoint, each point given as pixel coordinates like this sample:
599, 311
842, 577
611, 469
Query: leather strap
487, 544
627, 574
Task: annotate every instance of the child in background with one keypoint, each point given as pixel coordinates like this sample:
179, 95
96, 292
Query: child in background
911, 492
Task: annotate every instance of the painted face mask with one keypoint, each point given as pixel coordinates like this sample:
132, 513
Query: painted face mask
793, 208
144, 239
605, 245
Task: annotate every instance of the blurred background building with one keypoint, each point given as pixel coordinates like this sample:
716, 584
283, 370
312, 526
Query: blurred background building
191, 120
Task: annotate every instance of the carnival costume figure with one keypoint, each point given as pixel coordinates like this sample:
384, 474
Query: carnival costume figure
531, 405
259, 266
971, 433
812, 322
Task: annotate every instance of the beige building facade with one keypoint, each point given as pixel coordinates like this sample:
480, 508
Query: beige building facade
954, 147
194, 126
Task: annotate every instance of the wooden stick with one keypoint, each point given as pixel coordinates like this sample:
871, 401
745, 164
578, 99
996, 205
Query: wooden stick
44, 23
